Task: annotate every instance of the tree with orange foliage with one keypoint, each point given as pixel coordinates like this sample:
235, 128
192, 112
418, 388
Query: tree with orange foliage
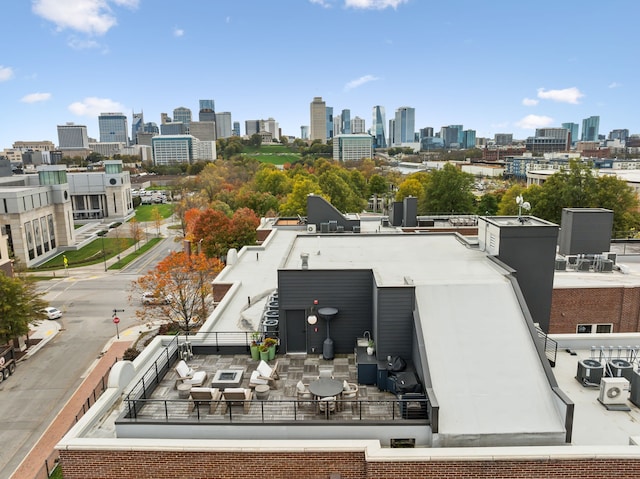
181, 284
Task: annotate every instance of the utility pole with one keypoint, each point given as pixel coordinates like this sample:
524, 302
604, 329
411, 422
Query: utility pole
116, 320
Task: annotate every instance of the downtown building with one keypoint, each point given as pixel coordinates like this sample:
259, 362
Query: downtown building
177, 149
352, 147
378, 127
73, 140
590, 129
318, 118
113, 128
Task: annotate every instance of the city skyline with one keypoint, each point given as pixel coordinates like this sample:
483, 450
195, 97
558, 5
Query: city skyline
502, 70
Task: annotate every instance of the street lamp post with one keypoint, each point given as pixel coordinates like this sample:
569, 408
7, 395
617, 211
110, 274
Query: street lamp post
104, 254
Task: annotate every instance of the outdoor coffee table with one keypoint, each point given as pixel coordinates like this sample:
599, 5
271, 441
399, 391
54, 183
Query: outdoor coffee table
262, 392
227, 378
184, 390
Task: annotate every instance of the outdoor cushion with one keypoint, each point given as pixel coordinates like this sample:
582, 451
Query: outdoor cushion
256, 379
234, 390
345, 385
301, 387
264, 369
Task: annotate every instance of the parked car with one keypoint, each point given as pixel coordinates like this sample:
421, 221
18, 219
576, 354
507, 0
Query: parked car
151, 298
52, 313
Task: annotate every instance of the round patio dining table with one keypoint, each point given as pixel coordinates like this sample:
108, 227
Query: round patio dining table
325, 387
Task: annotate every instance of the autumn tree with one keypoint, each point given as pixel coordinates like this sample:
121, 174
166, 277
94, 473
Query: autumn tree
243, 228
378, 185
449, 190
156, 218
183, 283
20, 305
213, 228
296, 203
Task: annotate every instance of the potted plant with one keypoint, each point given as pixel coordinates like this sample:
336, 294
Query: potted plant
371, 347
264, 352
271, 344
255, 340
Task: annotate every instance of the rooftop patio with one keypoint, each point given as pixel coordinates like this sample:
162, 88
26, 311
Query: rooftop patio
164, 403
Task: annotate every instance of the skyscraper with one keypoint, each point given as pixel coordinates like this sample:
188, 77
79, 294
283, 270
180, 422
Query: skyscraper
357, 125
251, 127
207, 111
318, 116
345, 119
404, 125
573, 129
223, 124
236, 128
113, 128
72, 136
304, 132
590, 128
182, 114
469, 139
137, 124
329, 112
377, 127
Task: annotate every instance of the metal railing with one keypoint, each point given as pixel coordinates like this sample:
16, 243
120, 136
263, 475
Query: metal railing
272, 411
550, 346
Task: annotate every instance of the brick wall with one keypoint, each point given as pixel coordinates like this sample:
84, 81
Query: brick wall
573, 306
320, 465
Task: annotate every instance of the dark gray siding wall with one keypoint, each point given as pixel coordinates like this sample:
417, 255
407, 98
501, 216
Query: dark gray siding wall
531, 251
320, 210
351, 291
395, 331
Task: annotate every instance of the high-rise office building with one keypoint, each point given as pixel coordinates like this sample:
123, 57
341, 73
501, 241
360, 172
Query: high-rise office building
621, 135
207, 111
236, 128
426, 132
503, 139
173, 128
329, 113
223, 124
271, 126
357, 125
173, 149
318, 115
182, 114
251, 127
573, 130
113, 128
404, 128
345, 120
337, 125
590, 128
203, 130
391, 140
72, 136
137, 125
452, 136
469, 139
352, 147
304, 132
378, 126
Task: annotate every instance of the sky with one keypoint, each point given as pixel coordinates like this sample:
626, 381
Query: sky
495, 66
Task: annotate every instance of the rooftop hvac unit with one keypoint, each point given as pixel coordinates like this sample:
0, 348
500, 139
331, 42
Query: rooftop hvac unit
572, 260
614, 390
584, 264
590, 372
324, 227
356, 229
340, 229
333, 226
620, 368
606, 265
311, 229
612, 256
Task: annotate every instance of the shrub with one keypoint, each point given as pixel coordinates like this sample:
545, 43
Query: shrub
130, 354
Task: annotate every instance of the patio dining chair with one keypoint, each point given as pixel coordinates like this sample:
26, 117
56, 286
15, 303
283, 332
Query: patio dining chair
325, 373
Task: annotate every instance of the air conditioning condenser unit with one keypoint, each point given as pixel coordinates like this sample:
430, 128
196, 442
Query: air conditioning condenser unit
311, 229
614, 390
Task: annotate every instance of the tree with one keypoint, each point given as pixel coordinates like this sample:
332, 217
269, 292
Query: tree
296, 203
184, 282
243, 228
156, 217
410, 187
615, 194
255, 140
20, 305
213, 228
378, 185
449, 190
487, 204
135, 231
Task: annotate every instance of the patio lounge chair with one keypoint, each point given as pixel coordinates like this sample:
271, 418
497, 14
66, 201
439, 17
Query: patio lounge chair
350, 393
200, 397
237, 397
264, 374
187, 375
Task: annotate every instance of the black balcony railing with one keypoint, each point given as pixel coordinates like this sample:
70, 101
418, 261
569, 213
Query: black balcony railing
272, 411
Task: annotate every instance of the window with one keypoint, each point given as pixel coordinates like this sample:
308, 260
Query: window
594, 328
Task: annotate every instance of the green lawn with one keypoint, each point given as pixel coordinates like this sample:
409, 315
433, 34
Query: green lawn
130, 257
274, 158
89, 254
144, 212
266, 149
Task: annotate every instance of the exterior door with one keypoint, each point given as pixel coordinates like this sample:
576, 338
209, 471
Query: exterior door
296, 331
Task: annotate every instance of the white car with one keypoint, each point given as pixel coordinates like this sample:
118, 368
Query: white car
150, 298
52, 313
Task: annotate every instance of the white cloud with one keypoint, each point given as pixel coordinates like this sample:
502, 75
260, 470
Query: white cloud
93, 106
178, 32
374, 4
6, 73
615, 84
360, 81
81, 44
35, 97
529, 101
568, 95
531, 122
93, 17
322, 3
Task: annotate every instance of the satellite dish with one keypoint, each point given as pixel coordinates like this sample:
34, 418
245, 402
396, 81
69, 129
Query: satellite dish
526, 206
519, 199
